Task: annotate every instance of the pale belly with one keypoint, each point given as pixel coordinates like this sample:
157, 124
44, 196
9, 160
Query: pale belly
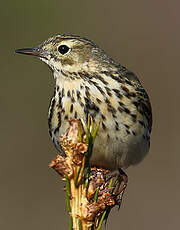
119, 142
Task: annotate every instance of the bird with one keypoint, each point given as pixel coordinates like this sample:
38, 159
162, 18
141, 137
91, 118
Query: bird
90, 83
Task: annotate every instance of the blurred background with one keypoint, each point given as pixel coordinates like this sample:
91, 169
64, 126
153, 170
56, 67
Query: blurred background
142, 35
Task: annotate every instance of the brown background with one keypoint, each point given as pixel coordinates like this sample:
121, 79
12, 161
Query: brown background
142, 35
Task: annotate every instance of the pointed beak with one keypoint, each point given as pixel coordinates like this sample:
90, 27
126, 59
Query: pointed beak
36, 51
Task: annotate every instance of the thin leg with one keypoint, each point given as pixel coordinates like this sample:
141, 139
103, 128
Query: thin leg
121, 189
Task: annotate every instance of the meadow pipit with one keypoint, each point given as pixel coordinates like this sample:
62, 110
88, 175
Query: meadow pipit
89, 82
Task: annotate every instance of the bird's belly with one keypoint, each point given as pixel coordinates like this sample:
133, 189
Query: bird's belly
119, 152
114, 148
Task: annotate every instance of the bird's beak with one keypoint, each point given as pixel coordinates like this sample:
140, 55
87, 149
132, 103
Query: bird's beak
36, 51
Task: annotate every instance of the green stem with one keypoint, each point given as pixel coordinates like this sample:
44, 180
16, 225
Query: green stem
101, 220
70, 223
79, 224
68, 194
77, 176
96, 195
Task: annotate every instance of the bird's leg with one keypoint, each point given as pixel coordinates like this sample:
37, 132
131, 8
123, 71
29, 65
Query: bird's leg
122, 177
117, 188
116, 174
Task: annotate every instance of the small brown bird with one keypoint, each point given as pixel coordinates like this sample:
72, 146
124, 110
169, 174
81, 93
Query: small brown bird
89, 82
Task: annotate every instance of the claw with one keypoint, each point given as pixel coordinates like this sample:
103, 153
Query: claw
118, 189
122, 177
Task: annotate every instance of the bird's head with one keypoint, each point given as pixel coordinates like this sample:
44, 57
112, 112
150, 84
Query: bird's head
70, 53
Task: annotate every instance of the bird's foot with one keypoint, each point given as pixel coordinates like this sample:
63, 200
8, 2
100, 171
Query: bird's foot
121, 181
118, 185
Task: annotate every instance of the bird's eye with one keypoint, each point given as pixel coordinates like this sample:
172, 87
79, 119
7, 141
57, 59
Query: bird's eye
63, 49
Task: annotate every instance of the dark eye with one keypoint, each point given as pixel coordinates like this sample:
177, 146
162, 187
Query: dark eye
63, 49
